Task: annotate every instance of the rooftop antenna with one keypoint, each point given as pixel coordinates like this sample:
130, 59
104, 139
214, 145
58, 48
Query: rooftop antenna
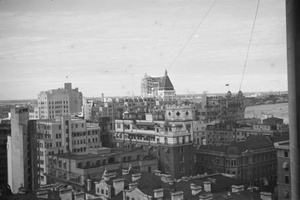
249, 44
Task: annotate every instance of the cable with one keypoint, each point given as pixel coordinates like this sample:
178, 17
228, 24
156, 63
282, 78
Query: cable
247, 54
188, 40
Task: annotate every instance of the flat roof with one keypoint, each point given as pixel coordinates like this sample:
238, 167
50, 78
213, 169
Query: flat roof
90, 155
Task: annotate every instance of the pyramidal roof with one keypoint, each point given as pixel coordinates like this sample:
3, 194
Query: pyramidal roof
165, 83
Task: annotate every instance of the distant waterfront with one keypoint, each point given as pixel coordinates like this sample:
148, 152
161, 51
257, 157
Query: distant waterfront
279, 110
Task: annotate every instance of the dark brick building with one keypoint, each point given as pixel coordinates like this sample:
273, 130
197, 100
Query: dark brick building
5, 130
253, 160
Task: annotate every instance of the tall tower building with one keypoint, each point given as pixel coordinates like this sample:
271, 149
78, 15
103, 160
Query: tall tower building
149, 86
59, 102
166, 90
158, 87
21, 154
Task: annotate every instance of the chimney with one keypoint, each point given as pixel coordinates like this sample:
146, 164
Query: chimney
195, 188
237, 188
157, 172
79, 195
207, 186
158, 193
118, 185
206, 196
177, 195
89, 184
166, 178
133, 185
136, 177
265, 195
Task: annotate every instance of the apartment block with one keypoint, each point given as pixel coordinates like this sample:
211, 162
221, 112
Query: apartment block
59, 102
64, 134
21, 153
168, 138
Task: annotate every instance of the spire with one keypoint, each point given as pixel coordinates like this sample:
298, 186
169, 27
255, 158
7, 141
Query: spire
165, 83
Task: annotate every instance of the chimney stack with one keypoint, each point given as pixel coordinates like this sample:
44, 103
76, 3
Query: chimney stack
195, 188
158, 193
89, 184
265, 195
237, 188
207, 186
133, 185
136, 177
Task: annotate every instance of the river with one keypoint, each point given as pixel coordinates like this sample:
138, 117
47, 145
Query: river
279, 110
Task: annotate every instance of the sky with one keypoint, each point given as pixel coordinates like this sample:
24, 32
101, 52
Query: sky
108, 46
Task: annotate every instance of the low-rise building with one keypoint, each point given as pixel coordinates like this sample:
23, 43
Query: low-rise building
76, 169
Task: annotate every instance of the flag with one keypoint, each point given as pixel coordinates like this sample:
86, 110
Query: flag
227, 84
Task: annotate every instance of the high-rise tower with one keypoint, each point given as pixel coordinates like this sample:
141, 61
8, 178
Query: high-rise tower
22, 151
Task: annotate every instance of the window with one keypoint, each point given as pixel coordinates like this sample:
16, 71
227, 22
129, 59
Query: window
182, 169
167, 159
181, 150
286, 179
181, 159
233, 162
166, 140
167, 168
286, 154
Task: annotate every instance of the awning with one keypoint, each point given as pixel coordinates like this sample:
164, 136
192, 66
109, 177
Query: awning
285, 165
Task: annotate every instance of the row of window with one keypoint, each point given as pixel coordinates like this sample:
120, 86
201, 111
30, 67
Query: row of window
83, 141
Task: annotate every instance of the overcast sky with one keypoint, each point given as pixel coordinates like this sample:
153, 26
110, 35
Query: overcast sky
106, 46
